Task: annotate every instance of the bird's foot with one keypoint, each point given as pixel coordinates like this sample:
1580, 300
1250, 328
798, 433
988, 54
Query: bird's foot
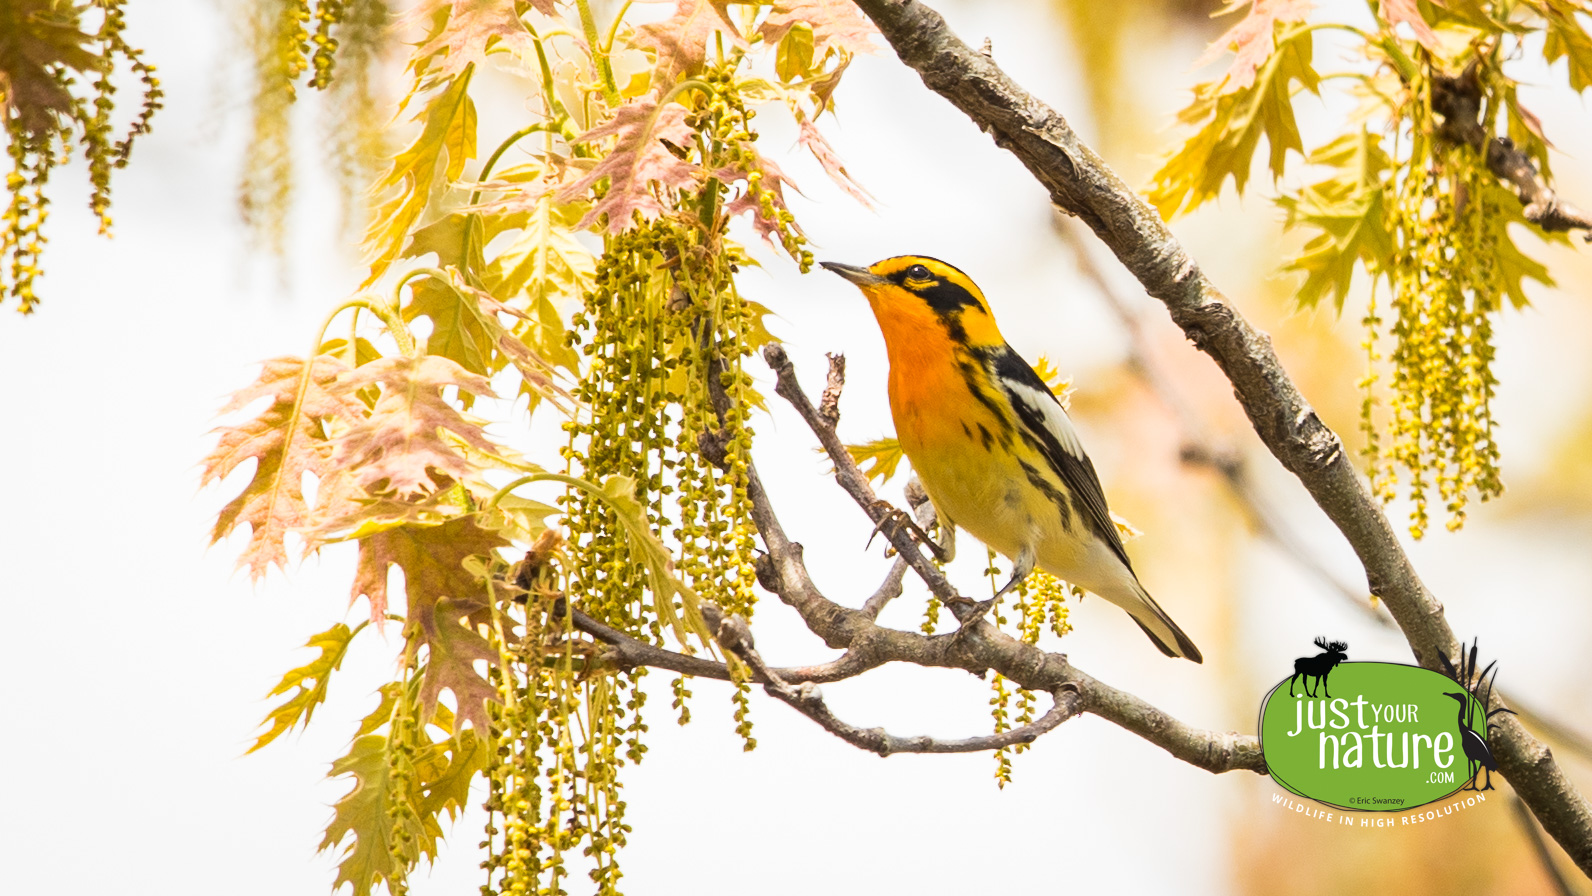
1025, 565
894, 519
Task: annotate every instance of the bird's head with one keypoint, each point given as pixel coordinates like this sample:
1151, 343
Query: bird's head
908, 291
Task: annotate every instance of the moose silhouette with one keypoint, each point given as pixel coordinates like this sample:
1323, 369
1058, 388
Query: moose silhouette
1318, 667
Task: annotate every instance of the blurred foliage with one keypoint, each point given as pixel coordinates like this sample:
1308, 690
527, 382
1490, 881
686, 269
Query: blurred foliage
333, 46
57, 65
1399, 195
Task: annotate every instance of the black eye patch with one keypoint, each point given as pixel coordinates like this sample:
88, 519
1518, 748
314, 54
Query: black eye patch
918, 272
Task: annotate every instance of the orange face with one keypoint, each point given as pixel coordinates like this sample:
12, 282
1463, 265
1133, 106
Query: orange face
934, 321
923, 303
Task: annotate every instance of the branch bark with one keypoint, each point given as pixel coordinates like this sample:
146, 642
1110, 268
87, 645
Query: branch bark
735, 636
1458, 99
1080, 183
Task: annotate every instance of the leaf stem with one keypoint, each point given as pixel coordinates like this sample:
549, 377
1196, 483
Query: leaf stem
589, 25
613, 30
492, 160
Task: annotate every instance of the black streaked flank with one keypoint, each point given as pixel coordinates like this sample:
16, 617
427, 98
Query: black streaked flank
1038, 480
1076, 472
972, 376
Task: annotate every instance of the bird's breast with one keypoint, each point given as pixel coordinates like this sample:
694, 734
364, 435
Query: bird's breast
960, 447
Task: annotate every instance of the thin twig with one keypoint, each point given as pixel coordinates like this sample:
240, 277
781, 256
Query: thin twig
630, 652
735, 636
1458, 99
850, 477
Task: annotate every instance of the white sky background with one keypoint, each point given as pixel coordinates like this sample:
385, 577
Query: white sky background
137, 657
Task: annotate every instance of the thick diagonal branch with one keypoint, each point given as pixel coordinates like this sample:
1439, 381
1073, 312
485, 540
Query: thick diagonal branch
1079, 182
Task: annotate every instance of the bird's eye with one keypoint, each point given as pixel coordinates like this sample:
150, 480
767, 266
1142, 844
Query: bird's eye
918, 272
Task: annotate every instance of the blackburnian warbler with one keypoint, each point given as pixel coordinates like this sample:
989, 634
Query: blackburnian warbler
991, 444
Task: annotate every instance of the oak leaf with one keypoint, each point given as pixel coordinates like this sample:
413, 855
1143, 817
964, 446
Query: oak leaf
413, 432
289, 438
809, 136
452, 649
1567, 39
639, 160
1395, 12
1349, 211
1233, 125
446, 141
40, 45
439, 590
365, 813
1251, 39
879, 458
473, 28
836, 25
309, 683
679, 44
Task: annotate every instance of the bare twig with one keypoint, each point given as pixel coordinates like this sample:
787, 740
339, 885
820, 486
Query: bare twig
1079, 182
1458, 99
735, 636
630, 652
891, 588
846, 472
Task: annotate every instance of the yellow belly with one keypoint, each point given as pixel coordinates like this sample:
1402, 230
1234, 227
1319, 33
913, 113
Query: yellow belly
978, 482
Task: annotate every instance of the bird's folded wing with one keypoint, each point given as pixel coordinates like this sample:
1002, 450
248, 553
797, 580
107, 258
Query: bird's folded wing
1044, 422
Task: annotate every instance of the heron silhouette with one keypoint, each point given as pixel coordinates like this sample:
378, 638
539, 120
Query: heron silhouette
1477, 753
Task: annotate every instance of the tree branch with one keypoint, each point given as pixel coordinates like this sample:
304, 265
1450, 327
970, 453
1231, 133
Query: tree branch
735, 636
1458, 99
1081, 184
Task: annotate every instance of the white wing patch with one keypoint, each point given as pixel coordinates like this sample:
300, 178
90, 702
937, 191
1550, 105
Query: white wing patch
1048, 409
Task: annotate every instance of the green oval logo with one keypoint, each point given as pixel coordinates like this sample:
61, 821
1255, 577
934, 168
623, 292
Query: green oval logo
1372, 736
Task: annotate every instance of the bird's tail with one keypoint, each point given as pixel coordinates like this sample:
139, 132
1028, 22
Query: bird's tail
1159, 626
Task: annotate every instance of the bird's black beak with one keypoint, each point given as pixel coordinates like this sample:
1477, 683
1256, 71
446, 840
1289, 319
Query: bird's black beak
857, 275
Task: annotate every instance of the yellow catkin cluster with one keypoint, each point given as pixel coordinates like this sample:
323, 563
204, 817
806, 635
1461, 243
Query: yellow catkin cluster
515, 793
328, 15
354, 114
38, 140
1040, 605
1446, 288
665, 403
403, 734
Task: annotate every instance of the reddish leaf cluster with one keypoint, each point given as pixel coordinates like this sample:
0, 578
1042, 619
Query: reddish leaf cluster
641, 157
1251, 39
